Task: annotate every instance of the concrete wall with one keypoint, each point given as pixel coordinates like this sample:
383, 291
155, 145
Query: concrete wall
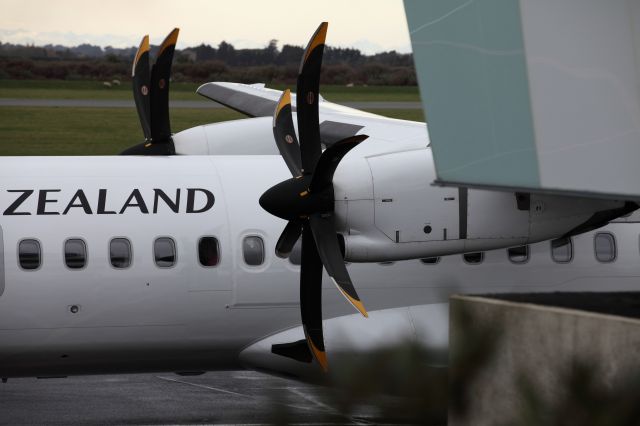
539, 344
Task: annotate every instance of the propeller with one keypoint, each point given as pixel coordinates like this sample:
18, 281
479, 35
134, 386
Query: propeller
151, 95
306, 200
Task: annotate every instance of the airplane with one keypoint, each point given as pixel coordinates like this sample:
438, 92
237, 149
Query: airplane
213, 258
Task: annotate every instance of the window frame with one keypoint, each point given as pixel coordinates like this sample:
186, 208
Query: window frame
526, 260
131, 256
264, 251
217, 248
175, 250
64, 253
562, 262
464, 258
40, 254
615, 246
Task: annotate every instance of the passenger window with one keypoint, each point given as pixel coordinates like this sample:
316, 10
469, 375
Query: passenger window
296, 253
605, 247
164, 250
208, 251
120, 253
473, 258
29, 254
430, 260
75, 253
253, 250
562, 250
518, 254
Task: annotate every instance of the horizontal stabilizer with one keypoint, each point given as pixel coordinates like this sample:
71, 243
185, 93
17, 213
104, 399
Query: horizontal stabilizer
531, 95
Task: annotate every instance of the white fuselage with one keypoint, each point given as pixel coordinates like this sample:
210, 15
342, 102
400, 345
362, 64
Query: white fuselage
98, 319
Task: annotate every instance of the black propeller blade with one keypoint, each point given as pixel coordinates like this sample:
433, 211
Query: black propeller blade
307, 199
141, 79
285, 134
307, 99
288, 238
160, 76
151, 94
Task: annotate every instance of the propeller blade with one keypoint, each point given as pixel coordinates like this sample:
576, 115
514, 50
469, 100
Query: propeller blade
324, 232
307, 100
288, 239
141, 79
329, 160
160, 76
311, 297
285, 134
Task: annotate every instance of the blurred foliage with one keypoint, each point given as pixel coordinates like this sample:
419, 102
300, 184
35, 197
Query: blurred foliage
399, 386
585, 400
405, 384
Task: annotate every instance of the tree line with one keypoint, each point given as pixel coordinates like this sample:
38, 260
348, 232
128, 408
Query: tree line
271, 64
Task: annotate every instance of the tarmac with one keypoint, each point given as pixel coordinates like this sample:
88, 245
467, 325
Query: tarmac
93, 103
228, 397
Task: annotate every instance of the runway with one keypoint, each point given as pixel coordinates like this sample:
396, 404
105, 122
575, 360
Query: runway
230, 397
92, 103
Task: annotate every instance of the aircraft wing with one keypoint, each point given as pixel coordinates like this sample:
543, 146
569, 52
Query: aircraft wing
256, 100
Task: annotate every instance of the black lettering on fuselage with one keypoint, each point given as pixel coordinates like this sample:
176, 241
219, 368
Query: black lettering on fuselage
173, 205
11, 210
191, 197
198, 200
102, 200
139, 202
43, 200
83, 202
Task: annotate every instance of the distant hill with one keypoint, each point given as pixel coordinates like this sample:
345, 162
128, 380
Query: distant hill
204, 63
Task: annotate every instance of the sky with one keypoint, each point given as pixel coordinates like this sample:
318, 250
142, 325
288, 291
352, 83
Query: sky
370, 25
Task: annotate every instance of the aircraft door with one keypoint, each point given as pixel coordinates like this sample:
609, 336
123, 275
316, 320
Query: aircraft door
261, 278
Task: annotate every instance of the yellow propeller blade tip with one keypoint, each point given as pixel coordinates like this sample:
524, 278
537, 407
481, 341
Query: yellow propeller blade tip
170, 40
318, 38
285, 100
144, 47
319, 355
355, 302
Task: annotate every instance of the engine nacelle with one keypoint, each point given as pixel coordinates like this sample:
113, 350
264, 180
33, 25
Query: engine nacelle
388, 209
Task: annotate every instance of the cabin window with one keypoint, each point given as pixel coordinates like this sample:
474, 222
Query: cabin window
296, 253
29, 254
208, 251
75, 253
473, 258
562, 250
253, 250
430, 260
120, 253
518, 254
164, 250
605, 247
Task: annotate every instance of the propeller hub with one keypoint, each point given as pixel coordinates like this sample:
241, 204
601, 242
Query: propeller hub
292, 200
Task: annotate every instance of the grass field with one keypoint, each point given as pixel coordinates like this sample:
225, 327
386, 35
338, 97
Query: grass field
62, 89
101, 131
107, 131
